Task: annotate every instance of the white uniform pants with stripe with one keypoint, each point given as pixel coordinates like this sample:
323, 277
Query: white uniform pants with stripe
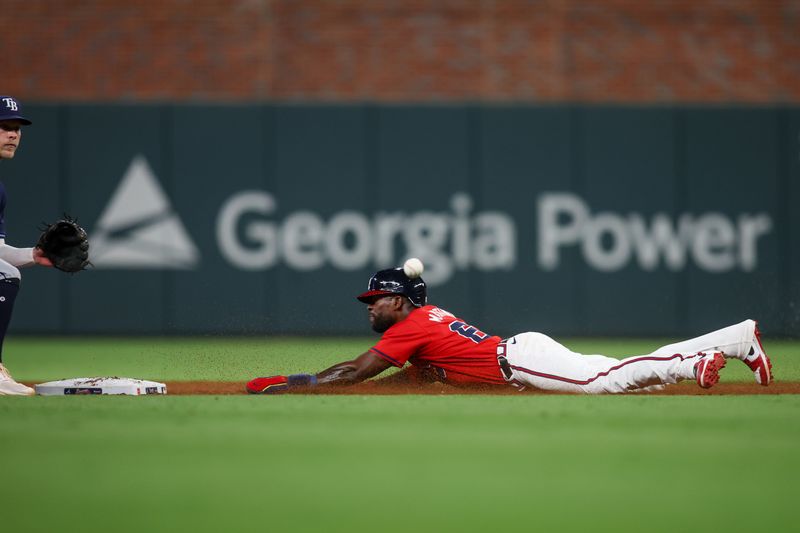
540, 362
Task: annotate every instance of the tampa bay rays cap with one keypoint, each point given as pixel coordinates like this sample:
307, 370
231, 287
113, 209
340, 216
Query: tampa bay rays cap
10, 109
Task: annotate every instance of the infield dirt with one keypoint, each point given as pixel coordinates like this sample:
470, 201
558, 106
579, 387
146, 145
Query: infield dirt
684, 389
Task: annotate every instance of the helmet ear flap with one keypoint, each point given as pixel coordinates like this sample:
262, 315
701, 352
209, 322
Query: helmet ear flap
419, 292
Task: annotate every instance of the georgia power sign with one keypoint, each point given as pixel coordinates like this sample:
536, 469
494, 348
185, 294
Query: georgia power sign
139, 229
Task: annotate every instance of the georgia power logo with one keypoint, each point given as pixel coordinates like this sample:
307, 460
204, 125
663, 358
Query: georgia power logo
139, 228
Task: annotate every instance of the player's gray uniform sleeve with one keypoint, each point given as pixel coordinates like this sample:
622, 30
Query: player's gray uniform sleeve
11, 258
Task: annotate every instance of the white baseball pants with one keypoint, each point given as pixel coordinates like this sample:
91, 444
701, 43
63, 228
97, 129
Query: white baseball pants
538, 361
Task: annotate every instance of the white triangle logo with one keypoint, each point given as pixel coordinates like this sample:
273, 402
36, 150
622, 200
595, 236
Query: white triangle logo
139, 228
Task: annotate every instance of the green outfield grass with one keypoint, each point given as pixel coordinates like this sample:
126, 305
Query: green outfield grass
382, 463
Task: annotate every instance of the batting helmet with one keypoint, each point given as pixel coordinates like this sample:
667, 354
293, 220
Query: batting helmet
395, 281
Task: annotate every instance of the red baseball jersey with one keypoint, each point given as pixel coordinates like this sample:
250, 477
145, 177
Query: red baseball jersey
433, 339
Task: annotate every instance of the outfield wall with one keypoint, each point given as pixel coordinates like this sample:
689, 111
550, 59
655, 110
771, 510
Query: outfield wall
270, 218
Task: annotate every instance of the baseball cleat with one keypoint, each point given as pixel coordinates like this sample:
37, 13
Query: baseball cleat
706, 371
9, 387
757, 359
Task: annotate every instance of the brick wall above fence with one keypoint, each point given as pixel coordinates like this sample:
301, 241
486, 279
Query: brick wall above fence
403, 50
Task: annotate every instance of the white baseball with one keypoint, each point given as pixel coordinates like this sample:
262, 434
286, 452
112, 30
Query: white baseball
413, 268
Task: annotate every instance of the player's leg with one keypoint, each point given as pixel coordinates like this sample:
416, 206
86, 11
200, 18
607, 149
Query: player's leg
740, 341
538, 361
9, 287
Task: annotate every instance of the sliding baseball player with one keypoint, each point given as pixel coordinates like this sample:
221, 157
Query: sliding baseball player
431, 344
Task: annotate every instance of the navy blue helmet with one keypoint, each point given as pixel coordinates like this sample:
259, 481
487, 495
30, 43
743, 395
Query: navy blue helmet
395, 281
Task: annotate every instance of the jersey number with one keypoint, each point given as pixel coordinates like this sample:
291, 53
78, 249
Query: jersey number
470, 332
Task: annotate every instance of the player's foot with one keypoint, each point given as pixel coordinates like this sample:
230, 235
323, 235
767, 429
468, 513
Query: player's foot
9, 387
706, 370
756, 358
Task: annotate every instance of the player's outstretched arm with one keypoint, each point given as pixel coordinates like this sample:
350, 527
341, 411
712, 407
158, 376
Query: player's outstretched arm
363, 367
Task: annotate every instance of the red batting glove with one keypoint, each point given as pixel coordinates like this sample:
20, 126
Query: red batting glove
268, 385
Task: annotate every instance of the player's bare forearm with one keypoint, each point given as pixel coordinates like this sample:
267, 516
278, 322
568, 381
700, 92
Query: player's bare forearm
341, 374
367, 365
363, 367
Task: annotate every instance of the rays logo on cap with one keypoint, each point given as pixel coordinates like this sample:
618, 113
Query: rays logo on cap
10, 109
11, 104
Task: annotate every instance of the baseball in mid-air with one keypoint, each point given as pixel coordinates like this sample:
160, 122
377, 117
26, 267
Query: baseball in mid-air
413, 268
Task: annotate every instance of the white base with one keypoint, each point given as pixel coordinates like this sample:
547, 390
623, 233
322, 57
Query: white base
100, 385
